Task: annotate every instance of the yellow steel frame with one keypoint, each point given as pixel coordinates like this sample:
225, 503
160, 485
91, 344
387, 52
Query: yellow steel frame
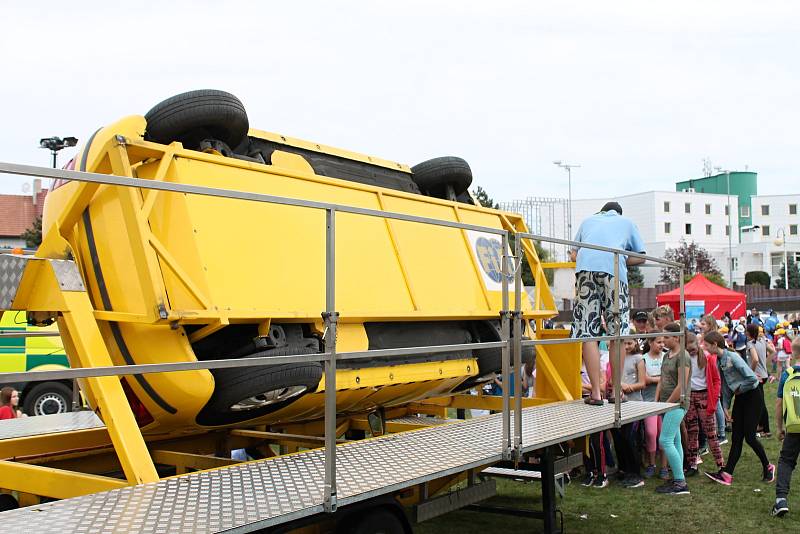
121, 156
40, 291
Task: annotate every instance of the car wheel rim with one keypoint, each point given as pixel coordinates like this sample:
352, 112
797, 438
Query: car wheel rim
49, 404
270, 397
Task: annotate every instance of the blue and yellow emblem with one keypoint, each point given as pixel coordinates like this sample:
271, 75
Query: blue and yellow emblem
490, 257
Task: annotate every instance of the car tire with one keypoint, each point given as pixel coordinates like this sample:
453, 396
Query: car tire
8, 502
435, 176
47, 398
245, 393
197, 115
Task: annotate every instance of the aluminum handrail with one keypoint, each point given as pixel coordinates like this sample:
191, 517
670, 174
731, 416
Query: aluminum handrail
141, 183
578, 244
21, 333
171, 367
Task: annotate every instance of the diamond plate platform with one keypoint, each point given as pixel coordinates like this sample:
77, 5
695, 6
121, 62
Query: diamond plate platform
12, 267
264, 493
422, 421
49, 424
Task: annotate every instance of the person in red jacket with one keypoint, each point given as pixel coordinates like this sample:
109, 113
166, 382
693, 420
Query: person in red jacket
704, 394
9, 403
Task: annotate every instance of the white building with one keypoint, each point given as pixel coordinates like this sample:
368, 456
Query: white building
665, 218
775, 220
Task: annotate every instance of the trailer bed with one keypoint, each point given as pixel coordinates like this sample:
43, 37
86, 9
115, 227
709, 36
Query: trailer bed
264, 493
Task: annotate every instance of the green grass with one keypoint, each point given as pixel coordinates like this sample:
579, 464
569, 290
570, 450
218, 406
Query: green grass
710, 509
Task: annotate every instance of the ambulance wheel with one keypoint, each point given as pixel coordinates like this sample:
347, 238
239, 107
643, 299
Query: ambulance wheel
434, 176
198, 115
245, 393
47, 398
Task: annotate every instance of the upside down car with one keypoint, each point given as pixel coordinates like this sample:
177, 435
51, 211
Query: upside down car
177, 277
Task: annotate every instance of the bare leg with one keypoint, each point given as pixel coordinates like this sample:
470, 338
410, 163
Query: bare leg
615, 364
591, 359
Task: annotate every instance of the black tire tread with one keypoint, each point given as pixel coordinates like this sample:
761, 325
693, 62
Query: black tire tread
210, 109
435, 174
233, 385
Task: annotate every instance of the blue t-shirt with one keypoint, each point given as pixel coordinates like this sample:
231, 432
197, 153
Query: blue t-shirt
770, 323
607, 229
784, 376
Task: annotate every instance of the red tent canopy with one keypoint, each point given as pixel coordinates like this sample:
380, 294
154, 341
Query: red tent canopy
717, 299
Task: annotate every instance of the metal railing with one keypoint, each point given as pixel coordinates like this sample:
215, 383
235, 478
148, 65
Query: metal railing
511, 345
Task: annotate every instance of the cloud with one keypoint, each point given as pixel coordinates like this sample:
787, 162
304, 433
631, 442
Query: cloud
637, 93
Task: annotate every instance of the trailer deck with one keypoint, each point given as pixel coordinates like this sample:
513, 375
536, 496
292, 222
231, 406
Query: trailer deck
49, 424
264, 493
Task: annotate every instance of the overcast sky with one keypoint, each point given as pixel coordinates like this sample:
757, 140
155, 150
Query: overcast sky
636, 93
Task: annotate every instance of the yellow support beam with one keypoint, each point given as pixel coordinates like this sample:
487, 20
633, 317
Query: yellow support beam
55, 483
558, 265
49, 443
147, 269
545, 364
40, 290
184, 460
113, 406
278, 438
477, 402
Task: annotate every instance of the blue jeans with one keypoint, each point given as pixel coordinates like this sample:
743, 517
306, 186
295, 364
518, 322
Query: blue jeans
670, 441
720, 421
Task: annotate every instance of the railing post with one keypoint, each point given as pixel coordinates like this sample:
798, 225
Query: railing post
76, 396
682, 319
505, 351
331, 318
615, 353
517, 348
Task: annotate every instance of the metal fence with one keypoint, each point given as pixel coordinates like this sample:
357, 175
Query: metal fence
511, 346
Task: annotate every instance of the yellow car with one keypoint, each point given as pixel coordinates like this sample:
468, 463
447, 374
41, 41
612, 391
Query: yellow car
178, 277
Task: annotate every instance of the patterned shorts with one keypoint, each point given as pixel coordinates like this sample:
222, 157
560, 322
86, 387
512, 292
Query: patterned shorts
594, 299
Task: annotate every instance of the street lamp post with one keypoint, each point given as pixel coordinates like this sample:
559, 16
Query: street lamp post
54, 144
782, 241
568, 167
730, 227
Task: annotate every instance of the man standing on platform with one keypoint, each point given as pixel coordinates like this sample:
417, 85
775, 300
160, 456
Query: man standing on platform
594, 285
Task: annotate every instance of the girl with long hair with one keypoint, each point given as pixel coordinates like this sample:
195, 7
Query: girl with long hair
9, 403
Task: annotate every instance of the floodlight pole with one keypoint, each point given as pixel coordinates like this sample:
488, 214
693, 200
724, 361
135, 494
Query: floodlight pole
782, 235
568, 167
54, 144
730, 227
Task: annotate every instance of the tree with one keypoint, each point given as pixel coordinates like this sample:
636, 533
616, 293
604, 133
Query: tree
712, 277
33, 235
695, 259
757, 278
794, 275
635, 276
484, 199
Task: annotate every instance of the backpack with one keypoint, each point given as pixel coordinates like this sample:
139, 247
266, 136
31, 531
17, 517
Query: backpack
791, 401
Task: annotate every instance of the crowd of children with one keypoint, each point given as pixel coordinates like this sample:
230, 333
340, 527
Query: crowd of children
721, 376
